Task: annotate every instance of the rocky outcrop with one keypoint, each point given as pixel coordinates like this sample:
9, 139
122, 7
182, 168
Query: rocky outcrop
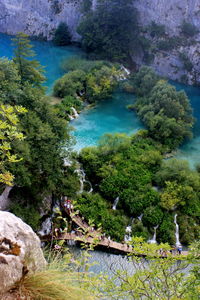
172, 14
4, 200
41, 18
20, 251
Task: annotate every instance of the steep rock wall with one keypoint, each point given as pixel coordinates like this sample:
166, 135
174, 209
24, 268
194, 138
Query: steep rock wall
38, 17
172, 14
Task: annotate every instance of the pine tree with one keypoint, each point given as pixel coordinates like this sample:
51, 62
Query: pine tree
62, 35
29, 69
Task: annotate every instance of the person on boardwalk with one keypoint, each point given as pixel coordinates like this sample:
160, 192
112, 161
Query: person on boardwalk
179, 249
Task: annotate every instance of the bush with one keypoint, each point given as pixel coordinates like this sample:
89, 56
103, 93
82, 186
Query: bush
62, 36
189, 29
156, 30
152, 216
186, 61
28, 214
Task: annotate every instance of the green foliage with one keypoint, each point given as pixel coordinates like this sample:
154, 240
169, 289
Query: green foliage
30, 71
166, 113
65, 106
28, 214
166, 230
156, 30
122, 167
170, 43
188, 29
9, 81
152, 216
40, 172
94, 207
62, 36
186, 61
144, 80
109, 31
9, 132
93, 81
71, 84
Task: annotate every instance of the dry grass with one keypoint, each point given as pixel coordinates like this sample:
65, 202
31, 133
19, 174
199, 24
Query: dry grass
51, 285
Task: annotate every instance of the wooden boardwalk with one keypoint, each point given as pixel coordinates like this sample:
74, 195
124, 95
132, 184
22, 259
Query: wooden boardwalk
88, 235
95, 240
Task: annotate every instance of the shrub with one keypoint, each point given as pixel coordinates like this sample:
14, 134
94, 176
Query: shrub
156, 29
186, 61
28, 214
62, 36
189, 29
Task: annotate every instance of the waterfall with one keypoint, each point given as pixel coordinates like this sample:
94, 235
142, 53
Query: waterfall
45, 227
115, 203
153, 240
75, 114
177, 231
140, 217
81, 174
127, 237
67, 162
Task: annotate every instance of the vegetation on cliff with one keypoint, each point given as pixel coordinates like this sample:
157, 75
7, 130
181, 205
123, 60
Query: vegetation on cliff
110, 31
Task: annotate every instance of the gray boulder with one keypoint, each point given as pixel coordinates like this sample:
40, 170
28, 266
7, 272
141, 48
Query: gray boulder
20, 251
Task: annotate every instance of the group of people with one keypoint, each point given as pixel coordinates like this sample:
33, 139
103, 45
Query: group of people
68, 205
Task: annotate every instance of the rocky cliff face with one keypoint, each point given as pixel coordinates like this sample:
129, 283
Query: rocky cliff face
38, 17
41, 17
20, 251
172, 14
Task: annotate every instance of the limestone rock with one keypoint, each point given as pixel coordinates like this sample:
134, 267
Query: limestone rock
19, 250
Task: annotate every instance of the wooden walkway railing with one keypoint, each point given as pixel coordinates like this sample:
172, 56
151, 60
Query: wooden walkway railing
95, 237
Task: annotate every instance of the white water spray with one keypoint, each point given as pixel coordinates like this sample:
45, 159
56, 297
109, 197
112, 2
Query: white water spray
153, 240
75, 114
81, 174
140, 217
178, 243
115, 203
45, 227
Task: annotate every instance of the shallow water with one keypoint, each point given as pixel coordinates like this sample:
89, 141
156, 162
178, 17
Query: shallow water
109, 116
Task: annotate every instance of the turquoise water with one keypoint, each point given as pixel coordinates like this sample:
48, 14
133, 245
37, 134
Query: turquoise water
191, 150
48, 55
110, 115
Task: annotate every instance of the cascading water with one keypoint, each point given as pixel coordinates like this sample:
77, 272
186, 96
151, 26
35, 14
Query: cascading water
74, 114
81, 174
140, 217
127, 237
45, 227
115, 203
178, 243
153, 240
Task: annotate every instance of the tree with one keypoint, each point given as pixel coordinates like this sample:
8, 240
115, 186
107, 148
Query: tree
167, 114
29, 70
109, 31
62, 36
9, 131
